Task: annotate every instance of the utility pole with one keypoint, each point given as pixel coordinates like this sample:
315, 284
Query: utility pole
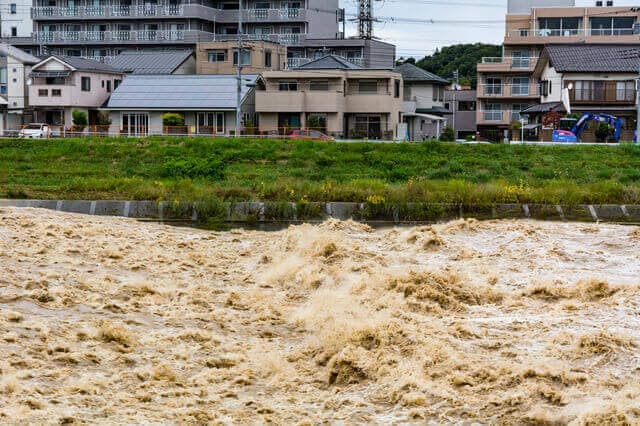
456, 76
239, 94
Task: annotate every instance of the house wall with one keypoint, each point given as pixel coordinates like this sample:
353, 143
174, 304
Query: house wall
258, 49
156, 126
188, 67
550, 74
21, 20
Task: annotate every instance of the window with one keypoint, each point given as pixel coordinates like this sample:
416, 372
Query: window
217, 56
559, 27
493, 86
116, 83
108, 86
246, 57
56, 92
267, 59
14, 31
43, 92
396, 88
54, 80
368, 86
493, 112
85, 84
102, 84
288, 86
14, 8
520, 59
319, 85
515, 111
520, 86
466, 106
625, 90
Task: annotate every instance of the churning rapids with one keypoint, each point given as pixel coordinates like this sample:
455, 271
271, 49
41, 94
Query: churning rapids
107, 320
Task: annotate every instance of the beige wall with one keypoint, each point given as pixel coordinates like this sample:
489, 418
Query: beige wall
258, 49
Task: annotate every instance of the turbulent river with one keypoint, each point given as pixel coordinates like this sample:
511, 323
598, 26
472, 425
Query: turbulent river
108, 320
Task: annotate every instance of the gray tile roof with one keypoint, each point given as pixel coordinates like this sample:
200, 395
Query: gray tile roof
82, 64
594, 57
330, 62
20, 55
165, 62
413, 73
179, 92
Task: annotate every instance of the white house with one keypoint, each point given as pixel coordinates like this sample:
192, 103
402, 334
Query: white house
15, 66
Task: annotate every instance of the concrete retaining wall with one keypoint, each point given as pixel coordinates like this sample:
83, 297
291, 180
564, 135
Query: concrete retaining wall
253, 212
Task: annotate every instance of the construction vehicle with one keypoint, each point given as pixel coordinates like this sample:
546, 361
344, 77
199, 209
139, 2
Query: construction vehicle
573, 135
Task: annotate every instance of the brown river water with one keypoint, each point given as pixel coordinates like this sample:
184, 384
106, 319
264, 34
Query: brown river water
113, 321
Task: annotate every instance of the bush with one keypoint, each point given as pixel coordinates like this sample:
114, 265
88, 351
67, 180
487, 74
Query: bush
79, 119
172, 119
447, 134
603, 132
194, 168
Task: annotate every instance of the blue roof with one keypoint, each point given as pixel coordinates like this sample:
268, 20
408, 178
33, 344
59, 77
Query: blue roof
179, 92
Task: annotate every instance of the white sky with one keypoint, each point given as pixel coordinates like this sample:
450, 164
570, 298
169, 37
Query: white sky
421, 39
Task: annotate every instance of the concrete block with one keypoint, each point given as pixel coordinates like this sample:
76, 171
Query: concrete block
82, 207
246, 212
144, 210
611, 213
634, 213
580, 213
545, 212
109, 208
344, 211
509, 211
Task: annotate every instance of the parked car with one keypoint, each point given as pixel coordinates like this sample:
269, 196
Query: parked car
35, 131
310, 134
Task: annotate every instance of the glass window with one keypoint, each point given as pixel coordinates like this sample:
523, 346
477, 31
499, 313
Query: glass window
319, 85
396, 88
520, 86
267, 59
56, 92
246, 57
14, 8
493, 86
368, 86
288, 86
54, 80
85, 83
217, 56
43, 92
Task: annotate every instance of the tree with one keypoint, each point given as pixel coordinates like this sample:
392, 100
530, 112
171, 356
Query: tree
79, 119
172, 119
447, 134
462, 57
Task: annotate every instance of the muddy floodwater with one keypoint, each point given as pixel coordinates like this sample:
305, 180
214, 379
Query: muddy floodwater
108, 320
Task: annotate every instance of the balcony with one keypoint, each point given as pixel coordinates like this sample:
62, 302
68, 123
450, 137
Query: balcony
507, 64
545, 36
508, 90
284, 39
141, 36
293, 63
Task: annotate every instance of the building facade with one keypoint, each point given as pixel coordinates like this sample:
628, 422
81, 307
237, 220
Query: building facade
60, 85
460, 106
15, 19
333, 95
506, 85
221, 57
15, 66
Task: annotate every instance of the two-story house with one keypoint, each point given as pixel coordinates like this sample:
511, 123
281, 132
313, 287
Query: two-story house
221, 57
506, 85
599, 78
59, 85
339, 97
423, 105
15, 65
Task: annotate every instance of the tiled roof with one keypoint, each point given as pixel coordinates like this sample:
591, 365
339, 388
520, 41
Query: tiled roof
179, 92
20, 55
594, 58
330, 62
82, 64
411, 72
165, 62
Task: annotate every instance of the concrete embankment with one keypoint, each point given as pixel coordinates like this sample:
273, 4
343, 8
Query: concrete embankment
255, 212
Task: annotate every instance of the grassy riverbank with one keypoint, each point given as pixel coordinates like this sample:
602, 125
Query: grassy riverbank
271, 170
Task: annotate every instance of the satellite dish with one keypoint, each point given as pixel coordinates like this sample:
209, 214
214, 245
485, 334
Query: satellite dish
29, 82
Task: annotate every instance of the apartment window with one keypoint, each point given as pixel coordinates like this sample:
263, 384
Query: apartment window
466, 106
559, 27
493, 112
608, 26
520, 86
85, 84
267, 59
56, 92
245, 60
625, 90
14, 8
520, 59
54, 81
108, 86
493, 86
515, 111
396, 88
14, 31
319, 85
288, 86
217, 56
368, 87
43, 92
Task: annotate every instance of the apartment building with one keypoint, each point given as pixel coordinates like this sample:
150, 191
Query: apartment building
506, 85
221, 57
103, 28
15, 19
15, 66
60, 85
341, 98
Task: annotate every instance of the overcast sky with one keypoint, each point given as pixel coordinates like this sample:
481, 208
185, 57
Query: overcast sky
421, 39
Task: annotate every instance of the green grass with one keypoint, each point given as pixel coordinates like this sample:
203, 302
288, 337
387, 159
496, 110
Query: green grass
300, 171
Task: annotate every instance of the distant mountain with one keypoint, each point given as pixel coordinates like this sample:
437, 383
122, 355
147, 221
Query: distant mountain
463, 57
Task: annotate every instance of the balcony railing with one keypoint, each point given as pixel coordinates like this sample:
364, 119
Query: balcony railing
511, 62
106, 11
573, 32
293, 63
602, 32
286, 39
493, 115
116, 36
508, 90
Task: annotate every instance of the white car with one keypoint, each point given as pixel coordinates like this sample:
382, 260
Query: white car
35, 131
